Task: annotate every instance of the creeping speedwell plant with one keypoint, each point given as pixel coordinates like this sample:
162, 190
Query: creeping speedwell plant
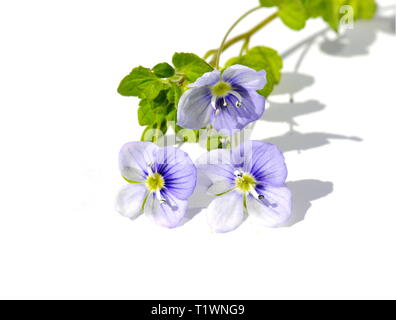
199, 97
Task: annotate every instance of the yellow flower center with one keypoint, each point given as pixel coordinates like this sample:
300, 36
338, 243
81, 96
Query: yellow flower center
221, 89
155, 182
245, 182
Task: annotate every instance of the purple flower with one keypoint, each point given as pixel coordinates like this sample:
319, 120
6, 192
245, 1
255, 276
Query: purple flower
229, 100
160, 182
248, 180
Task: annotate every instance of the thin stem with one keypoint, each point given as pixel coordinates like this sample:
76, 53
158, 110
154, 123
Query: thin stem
243, 36
245, 46
221, 48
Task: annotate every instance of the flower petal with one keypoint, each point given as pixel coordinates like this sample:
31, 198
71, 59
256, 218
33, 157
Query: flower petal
178, 171
219, 187
252, 103
226, 213
264, 161
245, 77
130, 200
216, 165
168, 214
134, 159
274, 209
194, 109
209, 79
228, 122
232, 119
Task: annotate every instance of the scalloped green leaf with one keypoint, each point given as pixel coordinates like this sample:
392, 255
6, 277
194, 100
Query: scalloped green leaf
192, 66
164, 70
262, 58
142, 83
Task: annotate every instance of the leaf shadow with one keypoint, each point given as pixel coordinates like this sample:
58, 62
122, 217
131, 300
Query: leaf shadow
293, 82
297, 141
287, 112
357, 41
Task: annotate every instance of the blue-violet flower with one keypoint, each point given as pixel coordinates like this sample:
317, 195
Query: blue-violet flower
247, 180
228, 101
160, 182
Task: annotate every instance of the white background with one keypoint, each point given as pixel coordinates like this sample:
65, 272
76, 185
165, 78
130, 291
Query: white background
62, 124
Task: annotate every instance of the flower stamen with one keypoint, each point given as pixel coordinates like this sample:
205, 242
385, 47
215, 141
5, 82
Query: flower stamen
255, 194
262, 199
159, 197
238, 104
150, 169
213, 102
238, 173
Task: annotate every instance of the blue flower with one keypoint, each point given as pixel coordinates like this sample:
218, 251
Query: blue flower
228, 101
248, 180
160, 182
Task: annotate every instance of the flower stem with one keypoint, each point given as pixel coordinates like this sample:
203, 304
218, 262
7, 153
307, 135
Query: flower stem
221, 48
244, 36
245, 47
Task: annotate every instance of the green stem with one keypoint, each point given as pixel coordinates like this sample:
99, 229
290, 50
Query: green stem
244, 36
245, 47
221, 48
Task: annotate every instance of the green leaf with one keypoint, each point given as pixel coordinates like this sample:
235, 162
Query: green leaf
293, 14
142, 83
332, 13
153, 111
171, 116
151, 134
214, 142
164, 70
314, 8
174, 94
364, 9
144, 134
262, 58
145, 114
192, 66
269, 3
330, 10
271, 58
164, 127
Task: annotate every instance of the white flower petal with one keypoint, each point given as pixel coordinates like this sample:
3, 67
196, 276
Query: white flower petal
216, 165
274, 210
168, 214
220, 187
226, 213
130, 200
135, 158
